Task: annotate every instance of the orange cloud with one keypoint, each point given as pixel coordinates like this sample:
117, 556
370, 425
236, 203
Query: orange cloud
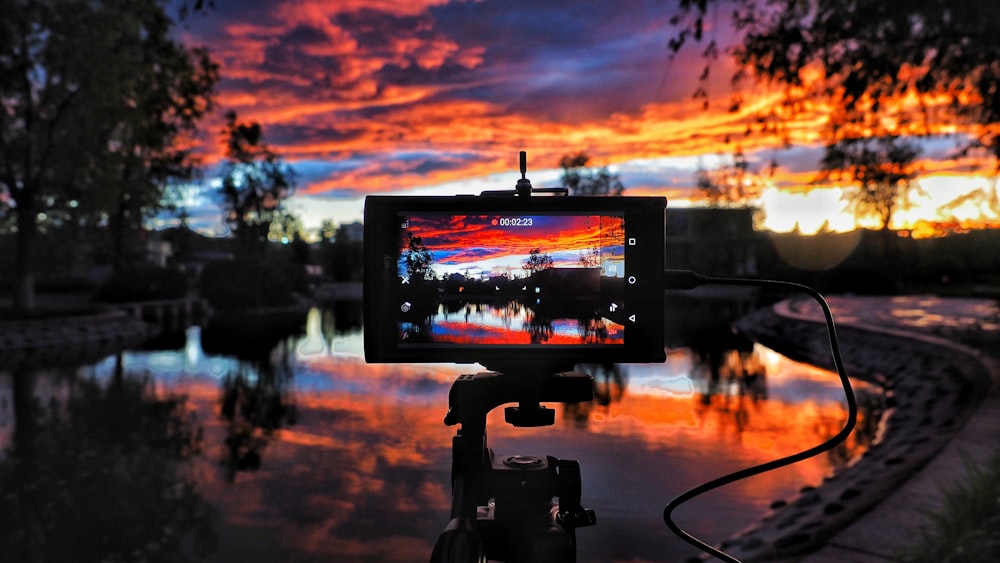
394, 97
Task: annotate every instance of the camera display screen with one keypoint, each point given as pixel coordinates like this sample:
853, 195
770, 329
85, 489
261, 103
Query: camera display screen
501, 280
511, 279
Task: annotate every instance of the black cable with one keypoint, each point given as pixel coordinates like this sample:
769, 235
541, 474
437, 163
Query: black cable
684, 279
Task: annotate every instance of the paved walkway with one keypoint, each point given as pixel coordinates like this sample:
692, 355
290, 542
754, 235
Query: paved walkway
878, 535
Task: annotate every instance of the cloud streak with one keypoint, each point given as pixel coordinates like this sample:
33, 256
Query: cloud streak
349, 80
385, 97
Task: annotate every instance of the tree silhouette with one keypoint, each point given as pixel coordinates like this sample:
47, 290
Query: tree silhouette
732, 184
537, 262
91, 141
255, 182
590, 258
884, 67
418, 259
881, 171
579, 179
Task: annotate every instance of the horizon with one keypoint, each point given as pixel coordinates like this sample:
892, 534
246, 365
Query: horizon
438, 97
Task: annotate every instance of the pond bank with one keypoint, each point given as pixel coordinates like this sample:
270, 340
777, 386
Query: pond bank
76, 339
935, 390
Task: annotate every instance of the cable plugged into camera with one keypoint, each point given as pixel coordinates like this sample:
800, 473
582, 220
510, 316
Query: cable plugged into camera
686, 279
682, 279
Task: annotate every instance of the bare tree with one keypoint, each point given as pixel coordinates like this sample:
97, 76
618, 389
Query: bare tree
732, 184
580, 179
537, 262
881, 172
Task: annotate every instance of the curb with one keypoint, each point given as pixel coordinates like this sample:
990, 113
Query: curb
922, 416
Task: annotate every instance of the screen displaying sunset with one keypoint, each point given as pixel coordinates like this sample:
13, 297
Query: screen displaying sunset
511, 279
478, 247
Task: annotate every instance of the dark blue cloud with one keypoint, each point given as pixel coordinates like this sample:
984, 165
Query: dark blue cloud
564, 60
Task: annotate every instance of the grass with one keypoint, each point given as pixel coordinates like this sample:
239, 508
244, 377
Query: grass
966, 527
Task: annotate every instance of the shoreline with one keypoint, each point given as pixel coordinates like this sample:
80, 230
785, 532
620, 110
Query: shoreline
922, 416
58, 340
928, 424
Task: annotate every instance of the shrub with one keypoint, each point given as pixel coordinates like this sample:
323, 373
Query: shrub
860, 280
966, 527
240, 284
143, 283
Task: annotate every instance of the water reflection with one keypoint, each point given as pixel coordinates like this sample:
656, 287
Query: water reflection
256, 401
99, 472
510, 321
297, 449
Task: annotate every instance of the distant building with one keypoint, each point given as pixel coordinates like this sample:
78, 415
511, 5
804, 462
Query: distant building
713, 241
158, 251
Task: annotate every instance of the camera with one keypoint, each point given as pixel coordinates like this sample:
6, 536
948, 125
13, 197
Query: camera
528, 287
513, 281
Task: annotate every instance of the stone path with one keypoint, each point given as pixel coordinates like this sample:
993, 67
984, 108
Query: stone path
938, 393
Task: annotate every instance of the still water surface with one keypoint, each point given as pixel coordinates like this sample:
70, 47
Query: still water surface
197, 451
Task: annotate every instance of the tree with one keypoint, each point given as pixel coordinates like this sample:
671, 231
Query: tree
582, 180
255, 182
77, 138
881, 171
418, 259
285, 227
731, 184
149, 152
590, 258
883, 67
537, 262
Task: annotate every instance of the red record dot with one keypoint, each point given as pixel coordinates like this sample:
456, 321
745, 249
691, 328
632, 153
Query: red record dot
495, 222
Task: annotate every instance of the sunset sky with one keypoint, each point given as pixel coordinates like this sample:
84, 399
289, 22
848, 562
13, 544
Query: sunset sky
483, 246
438, 97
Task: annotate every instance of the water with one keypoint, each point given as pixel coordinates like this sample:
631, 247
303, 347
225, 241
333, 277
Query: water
508, 321
303, 452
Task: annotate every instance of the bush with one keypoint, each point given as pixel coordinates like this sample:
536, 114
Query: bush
239, 284
143, 283
859, 280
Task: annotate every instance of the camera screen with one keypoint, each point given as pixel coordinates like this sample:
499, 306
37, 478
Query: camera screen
495, 280
511, 279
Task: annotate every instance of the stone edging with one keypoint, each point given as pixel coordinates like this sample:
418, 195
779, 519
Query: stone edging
921, 415
79, 339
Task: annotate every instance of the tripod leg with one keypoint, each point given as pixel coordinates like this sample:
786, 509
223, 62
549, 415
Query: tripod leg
459, 543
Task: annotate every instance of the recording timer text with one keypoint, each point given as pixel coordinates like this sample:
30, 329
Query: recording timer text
512, 221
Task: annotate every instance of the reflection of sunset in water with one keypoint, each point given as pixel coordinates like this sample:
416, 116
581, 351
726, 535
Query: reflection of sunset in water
509, 324
657, 437
357, 468
560, 331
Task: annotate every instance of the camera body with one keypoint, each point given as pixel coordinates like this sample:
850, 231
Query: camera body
513, 281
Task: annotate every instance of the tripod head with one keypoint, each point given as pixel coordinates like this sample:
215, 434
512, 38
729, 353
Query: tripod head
502, 507
523, 188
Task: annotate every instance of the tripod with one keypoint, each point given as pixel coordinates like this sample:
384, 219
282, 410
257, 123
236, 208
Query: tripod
522, 523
